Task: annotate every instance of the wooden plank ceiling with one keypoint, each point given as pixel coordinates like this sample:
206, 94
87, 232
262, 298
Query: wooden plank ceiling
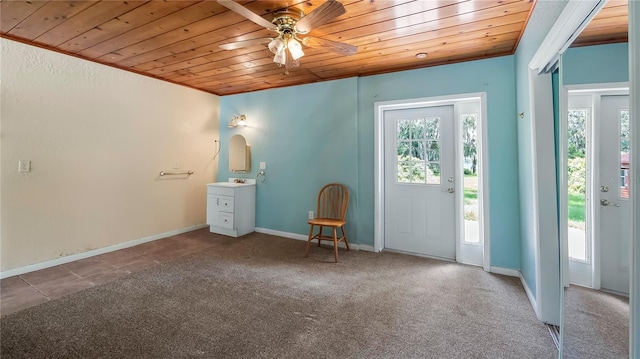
178, 41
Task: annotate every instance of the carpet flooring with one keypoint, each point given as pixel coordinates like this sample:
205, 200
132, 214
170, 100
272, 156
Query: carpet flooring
596, 325
257, 297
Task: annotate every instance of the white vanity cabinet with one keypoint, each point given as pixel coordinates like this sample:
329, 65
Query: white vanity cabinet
231, 208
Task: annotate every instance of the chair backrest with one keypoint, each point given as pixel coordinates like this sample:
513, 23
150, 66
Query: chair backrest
333, 201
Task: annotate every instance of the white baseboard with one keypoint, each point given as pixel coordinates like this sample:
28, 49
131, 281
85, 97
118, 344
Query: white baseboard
302, 237
532, 299
366, 248
273, 232
95, 252
505, 271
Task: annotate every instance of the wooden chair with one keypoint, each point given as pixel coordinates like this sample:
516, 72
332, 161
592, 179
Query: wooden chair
333, 201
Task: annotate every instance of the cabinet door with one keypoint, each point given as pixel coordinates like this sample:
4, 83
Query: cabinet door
213, 210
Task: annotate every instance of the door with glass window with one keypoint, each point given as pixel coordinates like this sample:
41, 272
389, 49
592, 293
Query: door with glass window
419, 174
613, 194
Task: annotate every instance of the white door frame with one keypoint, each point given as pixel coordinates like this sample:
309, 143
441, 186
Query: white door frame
596, 91
634, 118
483, 182
544, 229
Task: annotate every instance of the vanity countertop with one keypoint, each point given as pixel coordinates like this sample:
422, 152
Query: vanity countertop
230, 184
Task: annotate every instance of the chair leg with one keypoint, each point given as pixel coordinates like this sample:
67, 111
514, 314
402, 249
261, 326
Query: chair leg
320, 236
335, 243
306, 254
344, 235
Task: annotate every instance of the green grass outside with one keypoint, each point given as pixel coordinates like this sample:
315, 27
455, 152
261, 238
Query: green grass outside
576, 204
469, 195
576, 207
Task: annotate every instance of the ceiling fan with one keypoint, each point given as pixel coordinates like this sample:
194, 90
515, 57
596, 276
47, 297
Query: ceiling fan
287, 46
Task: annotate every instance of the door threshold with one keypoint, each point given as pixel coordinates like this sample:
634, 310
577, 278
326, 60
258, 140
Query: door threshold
420, 255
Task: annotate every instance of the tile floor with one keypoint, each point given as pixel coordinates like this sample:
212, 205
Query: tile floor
26, 290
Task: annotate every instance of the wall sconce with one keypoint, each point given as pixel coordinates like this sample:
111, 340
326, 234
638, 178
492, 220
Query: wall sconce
238, 120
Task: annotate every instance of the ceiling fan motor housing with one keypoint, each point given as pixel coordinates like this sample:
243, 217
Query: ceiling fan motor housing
285, 22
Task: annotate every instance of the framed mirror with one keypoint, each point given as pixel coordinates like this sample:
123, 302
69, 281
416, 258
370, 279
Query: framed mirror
239, 154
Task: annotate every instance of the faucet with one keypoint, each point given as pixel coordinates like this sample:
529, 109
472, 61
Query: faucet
239, 180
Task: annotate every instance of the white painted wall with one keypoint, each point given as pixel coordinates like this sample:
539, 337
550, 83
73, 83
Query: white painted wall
97, 138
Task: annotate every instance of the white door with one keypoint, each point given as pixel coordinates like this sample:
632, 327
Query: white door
615, 206
419, 162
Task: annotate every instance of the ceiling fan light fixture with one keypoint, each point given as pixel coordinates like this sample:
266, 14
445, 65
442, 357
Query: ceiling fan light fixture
281, 57
295, 48
276, 45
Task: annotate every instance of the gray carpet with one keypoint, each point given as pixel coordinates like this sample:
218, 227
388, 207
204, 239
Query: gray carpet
257, 297
596, 324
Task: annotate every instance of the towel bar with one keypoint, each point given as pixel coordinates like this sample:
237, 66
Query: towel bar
163, 173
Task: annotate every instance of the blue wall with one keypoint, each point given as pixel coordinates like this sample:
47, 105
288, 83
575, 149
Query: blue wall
313, 134
307, 135
596, 64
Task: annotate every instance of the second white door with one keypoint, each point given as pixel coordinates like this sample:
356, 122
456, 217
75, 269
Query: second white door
613, 199
419, 174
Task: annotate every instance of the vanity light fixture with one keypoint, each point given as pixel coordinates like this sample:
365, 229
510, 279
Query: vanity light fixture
238, 120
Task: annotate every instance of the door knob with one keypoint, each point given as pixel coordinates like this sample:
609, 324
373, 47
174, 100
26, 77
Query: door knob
605, 202
450, 190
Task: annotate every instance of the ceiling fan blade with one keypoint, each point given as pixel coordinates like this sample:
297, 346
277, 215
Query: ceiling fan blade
320, 16
233, 6
334, 46
245, 43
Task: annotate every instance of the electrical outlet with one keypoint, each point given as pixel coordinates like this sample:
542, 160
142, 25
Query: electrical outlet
24, 166
311, 215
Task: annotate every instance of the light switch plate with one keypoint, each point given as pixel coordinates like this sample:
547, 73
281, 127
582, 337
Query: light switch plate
263, 165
